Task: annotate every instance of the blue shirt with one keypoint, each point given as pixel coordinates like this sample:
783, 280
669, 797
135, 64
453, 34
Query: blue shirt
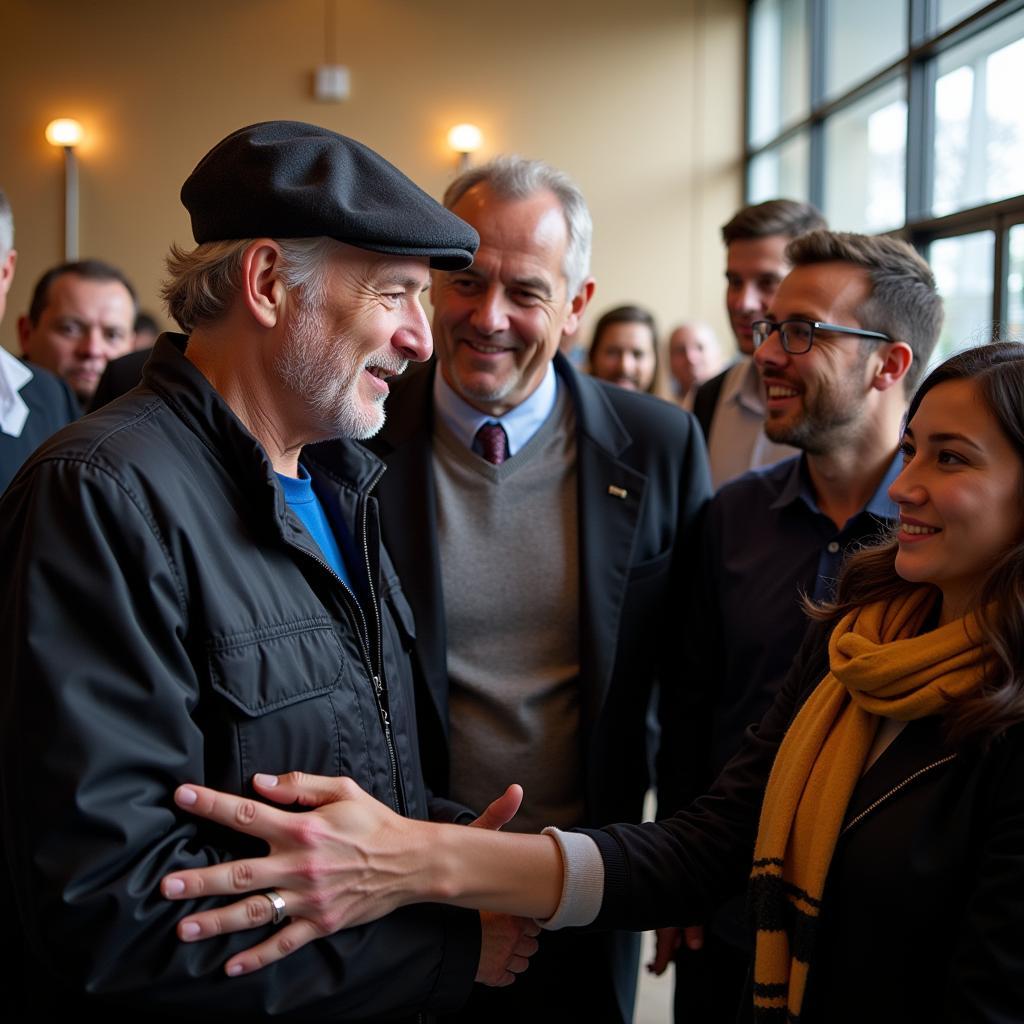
766, 542
520, 423
303, 501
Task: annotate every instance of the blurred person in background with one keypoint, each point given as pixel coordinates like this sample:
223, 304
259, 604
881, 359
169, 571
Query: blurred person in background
694, 356
624, 349
81, 315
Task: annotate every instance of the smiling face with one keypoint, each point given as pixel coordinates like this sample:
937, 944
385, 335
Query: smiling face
959, 495
498, 324
84, 324
624, 355
817, 401
754, 269
364, 326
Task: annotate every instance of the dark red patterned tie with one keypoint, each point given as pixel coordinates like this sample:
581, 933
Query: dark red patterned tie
493, 443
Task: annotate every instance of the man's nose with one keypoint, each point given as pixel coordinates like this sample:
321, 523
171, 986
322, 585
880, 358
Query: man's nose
413, 339
92, 343
770, 352
747, 299
490, 314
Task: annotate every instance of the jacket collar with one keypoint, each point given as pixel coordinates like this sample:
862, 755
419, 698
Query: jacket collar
172, 376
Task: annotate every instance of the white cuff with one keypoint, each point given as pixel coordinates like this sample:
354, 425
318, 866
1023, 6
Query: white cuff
582, 880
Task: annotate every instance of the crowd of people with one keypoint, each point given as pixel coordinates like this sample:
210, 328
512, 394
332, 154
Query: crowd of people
333, 685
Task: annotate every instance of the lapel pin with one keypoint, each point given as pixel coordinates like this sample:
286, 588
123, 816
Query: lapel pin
617, 492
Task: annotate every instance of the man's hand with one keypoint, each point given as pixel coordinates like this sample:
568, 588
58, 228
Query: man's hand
501, 811
506, 945
668, 941
348, 861
506, 942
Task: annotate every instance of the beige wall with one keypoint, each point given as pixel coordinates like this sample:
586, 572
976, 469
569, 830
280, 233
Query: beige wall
640, 102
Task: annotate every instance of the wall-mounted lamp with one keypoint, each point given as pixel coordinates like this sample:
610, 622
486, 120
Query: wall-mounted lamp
464, 139
67, 133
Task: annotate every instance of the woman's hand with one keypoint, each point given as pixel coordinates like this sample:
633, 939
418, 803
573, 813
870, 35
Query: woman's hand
347, 861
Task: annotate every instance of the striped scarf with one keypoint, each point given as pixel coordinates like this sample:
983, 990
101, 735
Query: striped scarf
879, 666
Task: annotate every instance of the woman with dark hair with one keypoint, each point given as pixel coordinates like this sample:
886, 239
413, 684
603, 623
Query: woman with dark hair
624, 349
878, 808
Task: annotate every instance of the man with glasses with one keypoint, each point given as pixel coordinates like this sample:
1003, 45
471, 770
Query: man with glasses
839, 350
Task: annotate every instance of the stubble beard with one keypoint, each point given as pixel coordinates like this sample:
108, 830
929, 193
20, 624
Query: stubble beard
324, 373
488, 396
829, 419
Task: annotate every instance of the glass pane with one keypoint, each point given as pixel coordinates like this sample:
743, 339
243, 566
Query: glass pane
863, 38
964, 268
1013, 329
865, 162
781, 172
979, 119
780, 77
953, 10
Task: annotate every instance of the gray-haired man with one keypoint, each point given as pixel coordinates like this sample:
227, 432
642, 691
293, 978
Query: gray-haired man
191, 595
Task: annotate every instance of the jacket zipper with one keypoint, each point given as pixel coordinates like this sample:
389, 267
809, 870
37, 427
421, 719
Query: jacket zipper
376, 674
895, 789
378, 678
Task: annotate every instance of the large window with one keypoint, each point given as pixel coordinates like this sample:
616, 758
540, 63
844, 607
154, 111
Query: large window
901, 116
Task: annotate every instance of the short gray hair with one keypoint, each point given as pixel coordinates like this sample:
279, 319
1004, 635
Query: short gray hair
6, 226
514, 177
202, 282
904, 302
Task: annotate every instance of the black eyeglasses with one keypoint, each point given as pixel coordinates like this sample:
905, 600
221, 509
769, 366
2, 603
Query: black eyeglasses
797, 336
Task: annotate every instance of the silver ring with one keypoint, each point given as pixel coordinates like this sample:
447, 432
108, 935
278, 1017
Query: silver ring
278, 904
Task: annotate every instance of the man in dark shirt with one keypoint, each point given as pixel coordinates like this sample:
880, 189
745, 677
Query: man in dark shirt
33, 403
840, 349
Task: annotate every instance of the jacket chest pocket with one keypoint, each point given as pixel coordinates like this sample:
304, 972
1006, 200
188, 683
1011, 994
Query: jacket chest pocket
292, 702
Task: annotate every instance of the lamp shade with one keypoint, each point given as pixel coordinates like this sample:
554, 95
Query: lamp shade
64, 131
465, 138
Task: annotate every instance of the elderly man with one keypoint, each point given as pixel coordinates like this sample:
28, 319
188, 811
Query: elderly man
841, 346
191, 595
541, 522
81, 316
33, 403
694, 356
730, 407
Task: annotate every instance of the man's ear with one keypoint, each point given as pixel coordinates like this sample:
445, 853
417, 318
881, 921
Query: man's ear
262, 291
579, 303
897, 358
25, 335
7, 272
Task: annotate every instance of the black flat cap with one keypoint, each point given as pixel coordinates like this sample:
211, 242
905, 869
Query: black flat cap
287, 179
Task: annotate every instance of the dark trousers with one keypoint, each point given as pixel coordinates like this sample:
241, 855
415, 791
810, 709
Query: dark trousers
584, 976
711, 982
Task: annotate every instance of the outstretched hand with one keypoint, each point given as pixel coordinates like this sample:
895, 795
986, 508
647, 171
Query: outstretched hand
506, 942
346, 861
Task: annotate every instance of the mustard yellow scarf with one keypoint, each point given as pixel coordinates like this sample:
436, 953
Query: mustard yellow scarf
879, 667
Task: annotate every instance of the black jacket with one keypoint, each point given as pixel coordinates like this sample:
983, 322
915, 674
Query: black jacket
165, 618
922, 910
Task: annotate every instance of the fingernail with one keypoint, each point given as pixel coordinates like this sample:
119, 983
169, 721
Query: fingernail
190, 930
234, 970
173, 886
186, 796
266, 781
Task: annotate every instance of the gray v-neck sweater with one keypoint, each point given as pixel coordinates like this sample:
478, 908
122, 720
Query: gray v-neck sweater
507, 537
